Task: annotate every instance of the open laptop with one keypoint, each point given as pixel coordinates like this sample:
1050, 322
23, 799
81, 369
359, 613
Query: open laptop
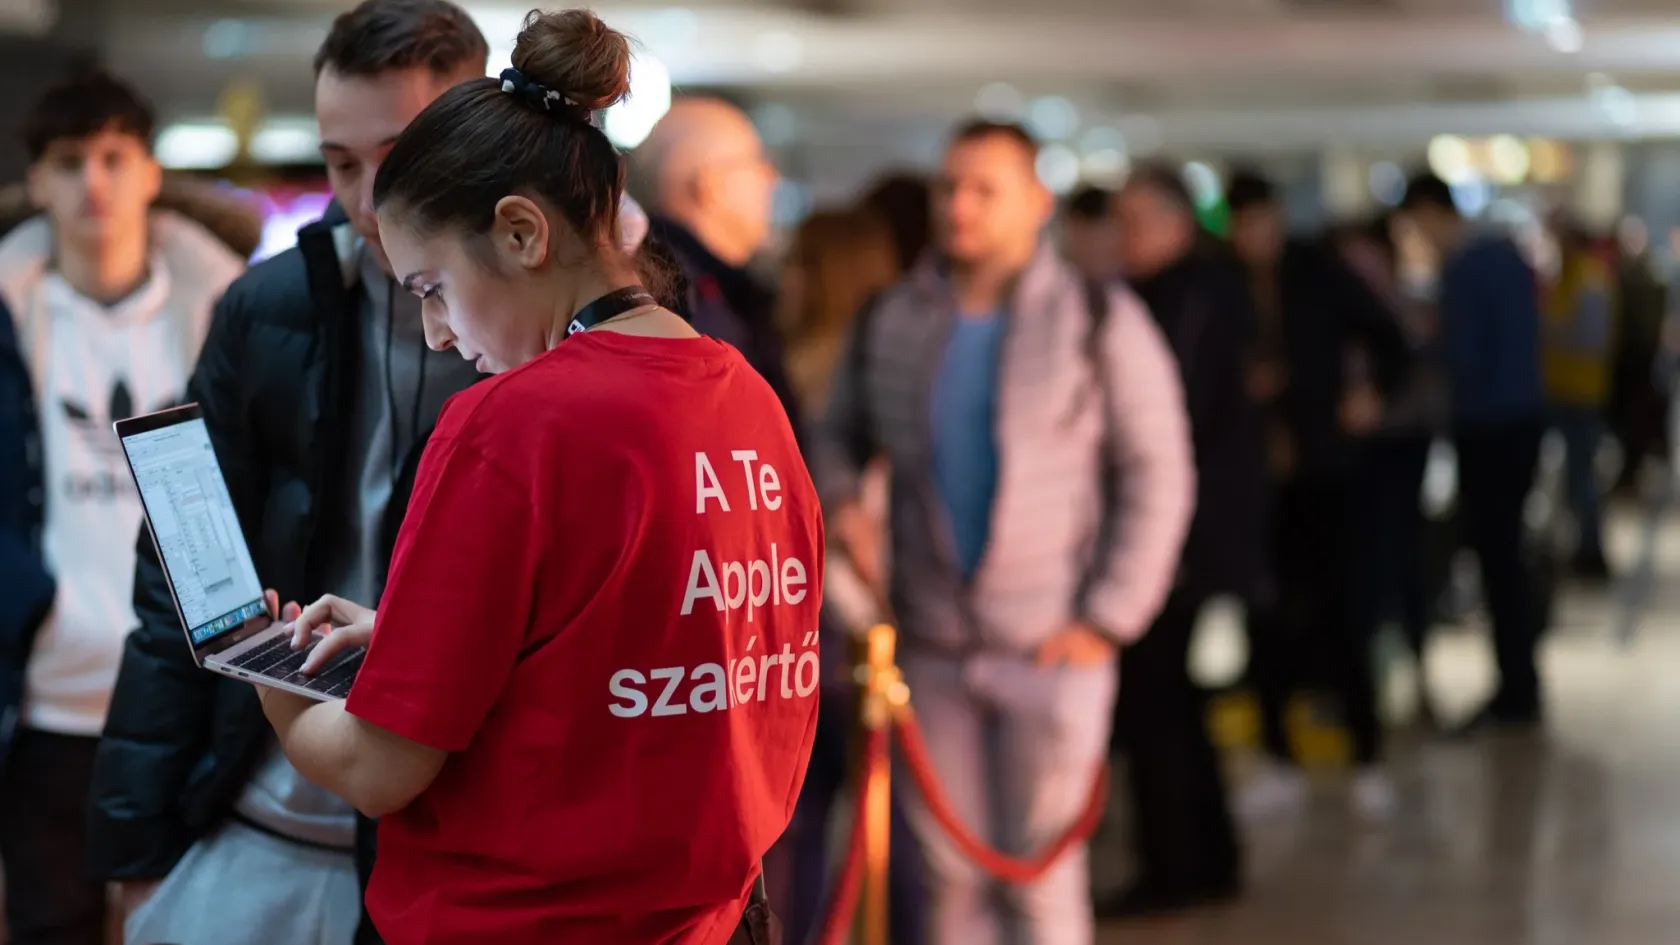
211, 576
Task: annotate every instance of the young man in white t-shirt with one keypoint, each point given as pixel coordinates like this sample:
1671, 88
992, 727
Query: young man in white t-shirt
107, 303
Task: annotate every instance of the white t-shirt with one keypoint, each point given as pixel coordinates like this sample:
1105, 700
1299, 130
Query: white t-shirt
100, 364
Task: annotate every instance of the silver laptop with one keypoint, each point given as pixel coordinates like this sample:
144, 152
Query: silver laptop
211, 576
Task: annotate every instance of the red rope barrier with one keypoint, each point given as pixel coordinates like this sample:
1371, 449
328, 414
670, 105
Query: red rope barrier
843, 905
1001, 866
887, 702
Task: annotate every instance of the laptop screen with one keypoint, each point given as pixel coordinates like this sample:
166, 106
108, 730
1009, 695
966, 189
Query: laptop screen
197, 533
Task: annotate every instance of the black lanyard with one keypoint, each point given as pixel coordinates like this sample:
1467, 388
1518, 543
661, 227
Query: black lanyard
609, 306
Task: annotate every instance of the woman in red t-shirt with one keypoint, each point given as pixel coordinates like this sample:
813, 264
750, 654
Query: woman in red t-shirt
589, 692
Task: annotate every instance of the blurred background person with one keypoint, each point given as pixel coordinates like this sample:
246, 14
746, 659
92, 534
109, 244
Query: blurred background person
1088, 236
1637, 411
108, 301
1491, 333
903, 199
837, 264
706, 184
1045, 390
1312, 311
1186, 844
837, 261
1390, 459
229, 215
1577, 351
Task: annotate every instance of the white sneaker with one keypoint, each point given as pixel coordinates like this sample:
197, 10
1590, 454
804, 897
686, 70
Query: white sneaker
1274, 789
1372, 794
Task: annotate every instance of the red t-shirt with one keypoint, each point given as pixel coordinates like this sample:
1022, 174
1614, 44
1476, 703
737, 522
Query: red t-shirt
603, 604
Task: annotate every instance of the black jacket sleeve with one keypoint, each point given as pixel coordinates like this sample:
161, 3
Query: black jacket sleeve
28, 587
162, 709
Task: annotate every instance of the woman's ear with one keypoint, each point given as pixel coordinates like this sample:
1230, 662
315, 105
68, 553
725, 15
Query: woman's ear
519, 232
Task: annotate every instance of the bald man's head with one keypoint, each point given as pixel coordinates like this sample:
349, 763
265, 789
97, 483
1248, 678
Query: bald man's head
703, 166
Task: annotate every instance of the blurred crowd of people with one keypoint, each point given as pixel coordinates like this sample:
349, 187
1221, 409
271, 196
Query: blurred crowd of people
1320, 372
1046, 438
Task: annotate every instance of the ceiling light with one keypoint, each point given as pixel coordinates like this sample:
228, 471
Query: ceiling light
196, 147
629, 122
1058, 168
1450, 159
1564, 35
1533, 15
1508, 160
287, 141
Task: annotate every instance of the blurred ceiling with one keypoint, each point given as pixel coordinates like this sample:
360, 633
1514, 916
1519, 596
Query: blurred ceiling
901, 61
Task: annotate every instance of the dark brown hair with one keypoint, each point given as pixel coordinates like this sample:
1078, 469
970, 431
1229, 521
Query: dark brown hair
1427, 190
1089, 203
485, 139
83, 106
1248, 187
1166, 180
976, 129
845, 257
383, 35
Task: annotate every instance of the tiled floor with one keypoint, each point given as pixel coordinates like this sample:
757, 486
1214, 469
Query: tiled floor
1568, 839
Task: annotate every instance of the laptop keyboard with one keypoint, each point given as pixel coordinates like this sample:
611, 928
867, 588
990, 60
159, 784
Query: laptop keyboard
277, 660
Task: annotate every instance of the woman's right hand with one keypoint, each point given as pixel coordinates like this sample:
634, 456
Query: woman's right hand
343, 624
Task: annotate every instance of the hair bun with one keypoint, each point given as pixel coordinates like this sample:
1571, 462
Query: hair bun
574, 53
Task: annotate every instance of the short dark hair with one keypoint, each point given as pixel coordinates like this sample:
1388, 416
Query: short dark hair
974, 129
1428, 190
1089, 203
477, 144
1249, 188
1166, 180
85, 105
383, 35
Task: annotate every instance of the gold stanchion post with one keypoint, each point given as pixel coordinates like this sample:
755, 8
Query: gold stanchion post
884, 693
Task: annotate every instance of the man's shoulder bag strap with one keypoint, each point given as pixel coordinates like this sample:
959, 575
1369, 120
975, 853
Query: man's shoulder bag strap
1108, 471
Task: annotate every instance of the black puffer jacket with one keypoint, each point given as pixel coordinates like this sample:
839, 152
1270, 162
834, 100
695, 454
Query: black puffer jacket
275, 381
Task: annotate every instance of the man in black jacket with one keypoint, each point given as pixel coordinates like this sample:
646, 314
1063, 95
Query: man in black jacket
319, 393
1187, 849
709, 184
1326, 348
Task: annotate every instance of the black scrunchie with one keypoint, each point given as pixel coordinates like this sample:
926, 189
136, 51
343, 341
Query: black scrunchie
541, 97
